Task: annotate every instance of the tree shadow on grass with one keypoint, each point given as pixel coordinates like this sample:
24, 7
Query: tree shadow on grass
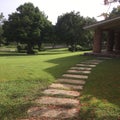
53, 52
11, 53
48, 52
6, 54
63, 64
104, 82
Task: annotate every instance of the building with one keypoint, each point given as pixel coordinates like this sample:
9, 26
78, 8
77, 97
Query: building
112, 29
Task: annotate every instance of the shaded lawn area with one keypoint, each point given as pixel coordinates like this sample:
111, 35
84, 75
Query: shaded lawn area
101, 96
23, 77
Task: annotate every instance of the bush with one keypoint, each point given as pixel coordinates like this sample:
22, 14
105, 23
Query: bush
75, 48
78, 48
21, 48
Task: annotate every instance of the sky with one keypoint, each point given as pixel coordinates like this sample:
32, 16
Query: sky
55, 8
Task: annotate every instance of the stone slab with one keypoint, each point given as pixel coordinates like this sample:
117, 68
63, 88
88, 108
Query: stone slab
104, 58
85, 65
75, 76
60, 113
57, 101
90, 62
66, 86
97, 60
81, 68
79, 71
61, 92
63, 80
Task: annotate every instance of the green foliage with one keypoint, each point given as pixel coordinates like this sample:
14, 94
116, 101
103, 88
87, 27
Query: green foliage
69, 29
26, 26
49, 35
78, 48
115, 12
88, 34
21, 48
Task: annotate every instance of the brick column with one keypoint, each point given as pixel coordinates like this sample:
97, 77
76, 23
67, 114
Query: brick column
117, 42
97, 41
110, 41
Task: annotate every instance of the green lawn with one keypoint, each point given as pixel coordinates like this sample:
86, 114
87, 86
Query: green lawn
101, 96
22, 77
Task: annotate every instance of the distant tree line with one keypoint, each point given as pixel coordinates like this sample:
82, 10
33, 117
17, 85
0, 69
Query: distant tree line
30, 27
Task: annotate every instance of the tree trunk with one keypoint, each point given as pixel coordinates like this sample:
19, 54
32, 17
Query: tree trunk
39, 46
30, 49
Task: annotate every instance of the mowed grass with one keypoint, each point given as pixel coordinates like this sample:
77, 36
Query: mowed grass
23, 77
100, 99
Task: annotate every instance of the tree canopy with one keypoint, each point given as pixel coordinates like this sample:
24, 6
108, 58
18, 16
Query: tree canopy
69, 29
115, 12
26, 26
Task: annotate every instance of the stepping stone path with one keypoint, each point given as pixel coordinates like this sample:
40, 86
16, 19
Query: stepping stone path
60, 101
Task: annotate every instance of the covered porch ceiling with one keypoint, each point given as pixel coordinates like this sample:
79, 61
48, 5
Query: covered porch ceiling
110, 24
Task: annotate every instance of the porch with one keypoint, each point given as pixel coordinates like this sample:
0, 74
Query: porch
111, 27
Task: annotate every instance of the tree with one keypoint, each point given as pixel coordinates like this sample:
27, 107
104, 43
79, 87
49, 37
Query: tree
26, 26
49, 35
69, 28
106, 2
1, 29
115, 12
88, 34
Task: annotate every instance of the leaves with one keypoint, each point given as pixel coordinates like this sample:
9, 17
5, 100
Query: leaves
26, 25
69, 29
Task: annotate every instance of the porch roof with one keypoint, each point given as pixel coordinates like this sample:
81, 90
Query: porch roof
113, 23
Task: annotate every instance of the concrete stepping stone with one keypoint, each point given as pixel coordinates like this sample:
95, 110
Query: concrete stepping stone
79, 71
81, 68
66, 86
76, 76
57, 101
85, 65
97, 60
61, 92
105, 58
63, 80
51, 112
90, 62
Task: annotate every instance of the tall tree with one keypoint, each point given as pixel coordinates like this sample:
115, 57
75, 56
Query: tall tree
69, 28
26, 26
